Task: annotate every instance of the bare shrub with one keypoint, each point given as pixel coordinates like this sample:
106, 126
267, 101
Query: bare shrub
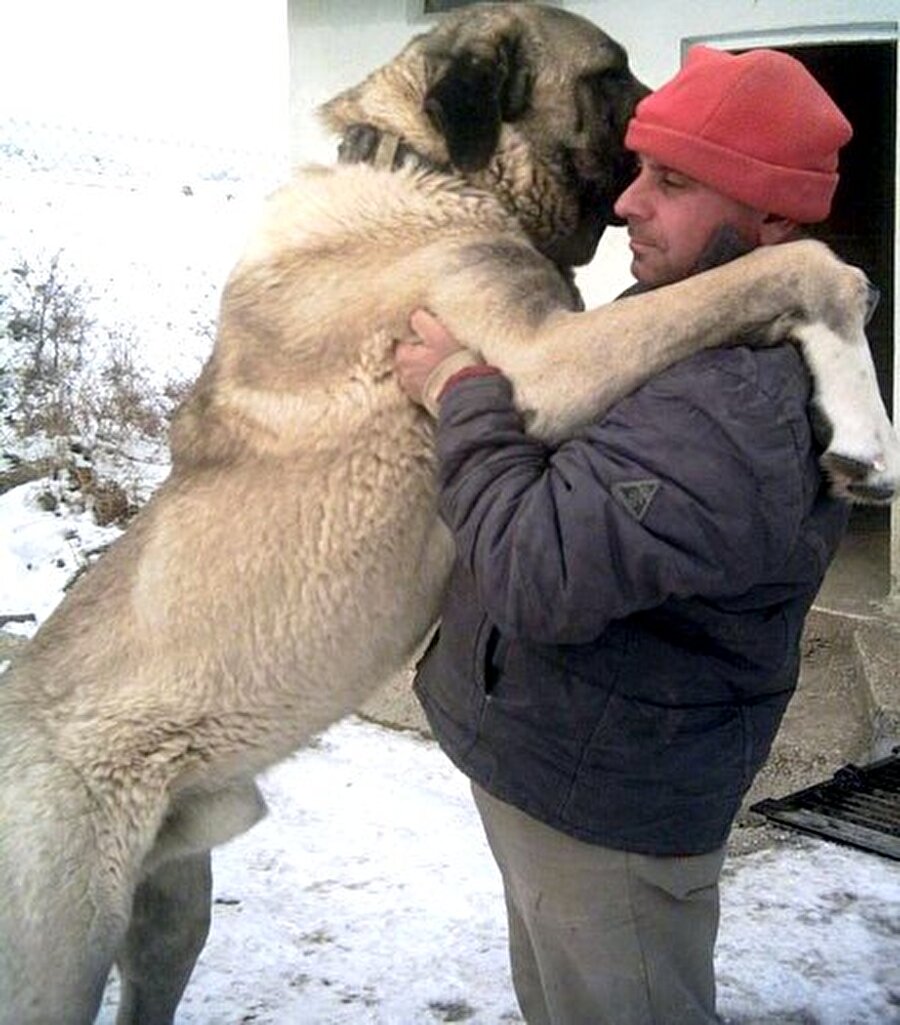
46, 329
79, 388
118, 400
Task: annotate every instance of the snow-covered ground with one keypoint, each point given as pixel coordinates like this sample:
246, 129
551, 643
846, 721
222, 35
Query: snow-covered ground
368, 894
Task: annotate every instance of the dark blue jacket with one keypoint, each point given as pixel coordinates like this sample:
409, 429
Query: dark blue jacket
620, 637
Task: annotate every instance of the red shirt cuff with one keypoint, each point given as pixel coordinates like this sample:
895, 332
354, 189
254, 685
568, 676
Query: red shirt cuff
480, 370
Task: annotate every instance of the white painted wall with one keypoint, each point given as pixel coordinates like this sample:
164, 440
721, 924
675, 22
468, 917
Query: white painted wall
653, 31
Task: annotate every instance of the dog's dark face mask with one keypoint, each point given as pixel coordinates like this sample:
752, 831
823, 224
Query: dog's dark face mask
533, 104
603, 169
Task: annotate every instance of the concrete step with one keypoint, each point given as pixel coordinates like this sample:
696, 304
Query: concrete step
877, 650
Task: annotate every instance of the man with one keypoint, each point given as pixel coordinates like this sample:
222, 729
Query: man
620, 637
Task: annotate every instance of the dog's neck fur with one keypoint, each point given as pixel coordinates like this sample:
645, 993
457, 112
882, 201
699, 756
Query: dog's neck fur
388, 103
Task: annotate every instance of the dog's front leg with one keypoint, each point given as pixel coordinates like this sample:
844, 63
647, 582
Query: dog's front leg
568, 368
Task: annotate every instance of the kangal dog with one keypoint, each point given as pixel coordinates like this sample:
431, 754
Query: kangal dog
293, 560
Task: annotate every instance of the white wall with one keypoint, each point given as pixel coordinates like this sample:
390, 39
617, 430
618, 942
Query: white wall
653, 31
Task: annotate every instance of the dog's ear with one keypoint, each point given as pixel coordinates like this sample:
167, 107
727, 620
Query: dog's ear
473, 96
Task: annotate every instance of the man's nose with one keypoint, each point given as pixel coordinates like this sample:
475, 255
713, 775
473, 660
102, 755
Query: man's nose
628, 204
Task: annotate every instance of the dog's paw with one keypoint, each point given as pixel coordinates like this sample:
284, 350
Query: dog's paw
862, 455
862, 460
861, 481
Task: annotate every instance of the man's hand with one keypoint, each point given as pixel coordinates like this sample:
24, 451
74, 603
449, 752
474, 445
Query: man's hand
415, 359
424, 365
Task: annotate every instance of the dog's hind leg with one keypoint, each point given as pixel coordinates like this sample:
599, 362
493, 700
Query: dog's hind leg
169, 924
64, 897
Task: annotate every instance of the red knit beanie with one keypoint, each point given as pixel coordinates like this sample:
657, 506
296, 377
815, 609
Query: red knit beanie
757, 127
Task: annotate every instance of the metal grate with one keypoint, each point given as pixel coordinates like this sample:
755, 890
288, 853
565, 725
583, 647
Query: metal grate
859, 806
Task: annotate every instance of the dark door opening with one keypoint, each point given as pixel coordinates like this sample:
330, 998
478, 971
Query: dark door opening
861, 78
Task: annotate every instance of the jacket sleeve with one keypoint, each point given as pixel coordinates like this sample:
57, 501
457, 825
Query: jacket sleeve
694, 485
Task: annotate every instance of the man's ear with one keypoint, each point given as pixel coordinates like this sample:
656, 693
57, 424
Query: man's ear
774, 229
472, 97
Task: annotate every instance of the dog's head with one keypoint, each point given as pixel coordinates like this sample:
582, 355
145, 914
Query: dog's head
529, 102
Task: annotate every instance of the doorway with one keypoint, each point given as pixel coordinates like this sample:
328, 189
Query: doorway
861, 77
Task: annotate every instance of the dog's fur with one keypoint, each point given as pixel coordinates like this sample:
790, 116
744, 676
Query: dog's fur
293, 560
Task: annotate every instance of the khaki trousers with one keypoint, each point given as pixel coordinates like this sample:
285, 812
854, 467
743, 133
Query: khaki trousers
604, 937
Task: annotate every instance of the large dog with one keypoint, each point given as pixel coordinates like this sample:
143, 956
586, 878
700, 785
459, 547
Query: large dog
293, 561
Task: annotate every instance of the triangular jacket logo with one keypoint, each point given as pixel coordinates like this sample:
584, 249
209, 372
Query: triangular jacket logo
636, 495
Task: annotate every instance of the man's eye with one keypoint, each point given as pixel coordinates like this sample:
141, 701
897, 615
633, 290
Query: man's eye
674, 181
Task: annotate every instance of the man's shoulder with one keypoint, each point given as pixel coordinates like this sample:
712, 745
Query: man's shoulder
776, 374
739, 400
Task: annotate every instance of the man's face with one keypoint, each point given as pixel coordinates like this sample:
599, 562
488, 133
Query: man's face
671, 218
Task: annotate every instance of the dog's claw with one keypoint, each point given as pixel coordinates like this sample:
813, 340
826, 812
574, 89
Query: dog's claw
859, 480
872, 494
846, 467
